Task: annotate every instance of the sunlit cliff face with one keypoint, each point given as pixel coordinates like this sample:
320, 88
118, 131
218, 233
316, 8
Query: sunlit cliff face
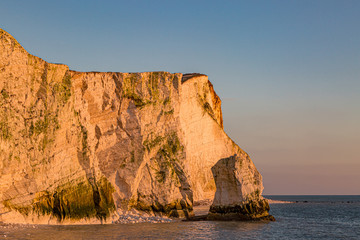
85, 147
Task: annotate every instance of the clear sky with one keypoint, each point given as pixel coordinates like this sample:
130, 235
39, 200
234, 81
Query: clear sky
288, 72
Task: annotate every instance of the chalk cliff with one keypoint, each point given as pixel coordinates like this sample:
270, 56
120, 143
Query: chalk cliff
87, 146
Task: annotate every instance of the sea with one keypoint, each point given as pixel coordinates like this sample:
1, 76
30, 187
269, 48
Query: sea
306, 217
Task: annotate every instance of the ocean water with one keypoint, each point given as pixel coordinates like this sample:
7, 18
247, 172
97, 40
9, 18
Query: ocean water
310, 217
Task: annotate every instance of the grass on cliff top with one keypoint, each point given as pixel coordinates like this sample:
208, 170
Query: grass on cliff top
131, 81
14, 42
129, 90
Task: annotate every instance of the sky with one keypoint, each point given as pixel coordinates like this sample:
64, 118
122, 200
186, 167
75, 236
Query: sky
288, 72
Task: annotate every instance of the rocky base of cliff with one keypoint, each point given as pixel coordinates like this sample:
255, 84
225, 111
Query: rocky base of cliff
248, 211
117, 217
251, 210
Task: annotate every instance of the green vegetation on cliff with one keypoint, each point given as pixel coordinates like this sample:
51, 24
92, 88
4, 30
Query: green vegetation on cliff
177, 208
71, 201
5, 132
63, 88
129, 90
166, 158
133, 88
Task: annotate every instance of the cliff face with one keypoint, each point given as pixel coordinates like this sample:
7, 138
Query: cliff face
82, 147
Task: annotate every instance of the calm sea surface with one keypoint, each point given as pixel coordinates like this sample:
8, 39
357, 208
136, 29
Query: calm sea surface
312, 217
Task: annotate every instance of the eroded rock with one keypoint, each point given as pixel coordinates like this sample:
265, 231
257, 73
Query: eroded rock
237, 197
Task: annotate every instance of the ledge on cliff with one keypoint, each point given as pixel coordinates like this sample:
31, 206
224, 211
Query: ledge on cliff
187, 76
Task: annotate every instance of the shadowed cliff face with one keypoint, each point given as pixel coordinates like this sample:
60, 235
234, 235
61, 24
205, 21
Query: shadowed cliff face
77, 146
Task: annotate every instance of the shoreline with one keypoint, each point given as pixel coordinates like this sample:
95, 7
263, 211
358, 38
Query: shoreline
271, 201
132, 217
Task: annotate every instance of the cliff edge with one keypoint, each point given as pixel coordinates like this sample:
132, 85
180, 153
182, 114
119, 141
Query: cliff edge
84, 147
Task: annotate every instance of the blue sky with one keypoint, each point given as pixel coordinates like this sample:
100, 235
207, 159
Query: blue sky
288, 72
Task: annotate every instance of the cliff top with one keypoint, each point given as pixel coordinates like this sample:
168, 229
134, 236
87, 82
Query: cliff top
10, 41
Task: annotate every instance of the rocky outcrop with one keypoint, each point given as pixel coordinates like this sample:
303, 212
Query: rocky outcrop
236, 198
87, 147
